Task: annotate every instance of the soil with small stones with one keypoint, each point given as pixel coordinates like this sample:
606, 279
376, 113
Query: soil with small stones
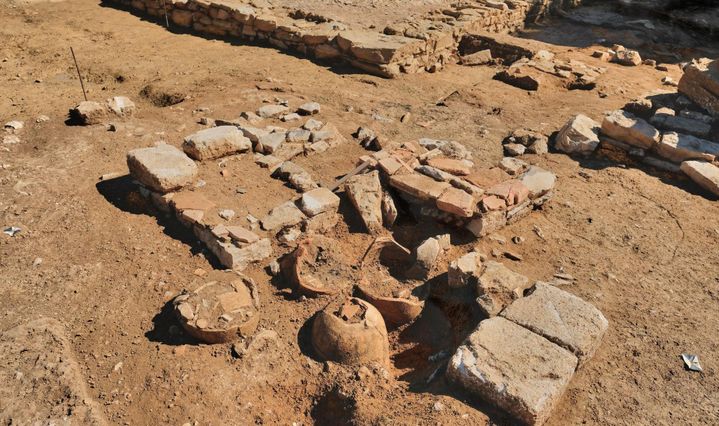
95, 257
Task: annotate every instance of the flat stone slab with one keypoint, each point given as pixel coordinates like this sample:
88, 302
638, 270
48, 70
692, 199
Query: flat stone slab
318, 201
419, 186
685, 125
678, 147
285, 214
162, 168
625, 127
365, 193
514, 369
498, 286
216, 142
561, 317
538, 181
704, 174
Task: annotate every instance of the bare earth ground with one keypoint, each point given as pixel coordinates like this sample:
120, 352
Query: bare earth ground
642, 246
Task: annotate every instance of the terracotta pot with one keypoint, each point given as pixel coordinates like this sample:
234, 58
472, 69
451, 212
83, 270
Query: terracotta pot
220, 311
396, 311
350, 331
294, 270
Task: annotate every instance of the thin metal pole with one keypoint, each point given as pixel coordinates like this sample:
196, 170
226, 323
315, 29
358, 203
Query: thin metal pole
78, 73
167, 22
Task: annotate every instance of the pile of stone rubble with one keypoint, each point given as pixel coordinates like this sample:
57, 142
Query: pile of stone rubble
438, 179
676, 132
165, 173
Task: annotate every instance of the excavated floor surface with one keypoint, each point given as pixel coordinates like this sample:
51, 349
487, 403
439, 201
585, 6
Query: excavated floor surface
639, 243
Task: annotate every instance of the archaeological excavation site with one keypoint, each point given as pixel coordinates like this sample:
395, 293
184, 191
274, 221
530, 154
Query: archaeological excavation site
355, 212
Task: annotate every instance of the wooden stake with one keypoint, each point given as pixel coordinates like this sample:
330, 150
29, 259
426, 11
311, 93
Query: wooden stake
349, 175
78, 73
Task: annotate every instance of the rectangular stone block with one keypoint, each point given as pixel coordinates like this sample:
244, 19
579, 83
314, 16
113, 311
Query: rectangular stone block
704, 174
162, 168
457, 202
514, 369
216, 142
627, 128
318, 201
561, 317
677, 147
419, 186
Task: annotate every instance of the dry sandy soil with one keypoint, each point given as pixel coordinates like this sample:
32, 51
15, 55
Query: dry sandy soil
92, 257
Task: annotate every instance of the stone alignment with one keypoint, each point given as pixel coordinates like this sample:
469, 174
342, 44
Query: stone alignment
425, 43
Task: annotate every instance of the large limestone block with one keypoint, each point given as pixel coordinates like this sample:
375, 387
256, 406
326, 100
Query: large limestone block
162, 168
514, 369
419, 186
376, 48
678, 147
365, 193
216, 142
685, 125
700, 83
579, 136
561, 317
498, 286
704, 174
625, 127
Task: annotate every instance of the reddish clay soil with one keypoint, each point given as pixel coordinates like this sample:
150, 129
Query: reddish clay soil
641, 245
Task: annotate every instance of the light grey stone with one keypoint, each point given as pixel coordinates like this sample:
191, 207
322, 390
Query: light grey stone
579, 136
562, 318
514, 369
216, 142
162, 168
285, 214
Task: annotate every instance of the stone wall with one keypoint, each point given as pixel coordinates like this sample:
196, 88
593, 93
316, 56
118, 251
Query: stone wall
408, 47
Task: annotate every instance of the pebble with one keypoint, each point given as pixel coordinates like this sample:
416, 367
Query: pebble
274, 268
37, 262
241, 190
14, 125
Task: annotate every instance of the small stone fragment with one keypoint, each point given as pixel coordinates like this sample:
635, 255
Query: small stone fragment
498, 286
271, 111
